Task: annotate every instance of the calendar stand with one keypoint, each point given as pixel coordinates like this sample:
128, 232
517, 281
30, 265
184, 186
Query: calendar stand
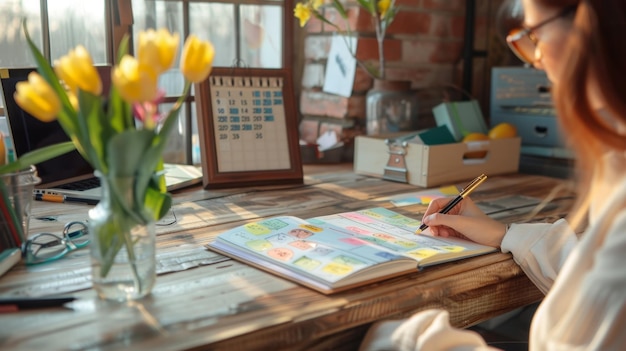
247, 128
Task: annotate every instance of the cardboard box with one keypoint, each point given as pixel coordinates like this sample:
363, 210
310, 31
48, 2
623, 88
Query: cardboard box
427, 166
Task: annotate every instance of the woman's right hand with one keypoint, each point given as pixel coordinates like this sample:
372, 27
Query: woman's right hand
465, 220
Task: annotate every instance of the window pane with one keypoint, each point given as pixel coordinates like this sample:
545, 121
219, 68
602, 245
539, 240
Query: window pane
261, 43
14, 51
215, 22
74, 22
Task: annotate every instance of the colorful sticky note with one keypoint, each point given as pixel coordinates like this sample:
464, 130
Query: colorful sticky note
424, 197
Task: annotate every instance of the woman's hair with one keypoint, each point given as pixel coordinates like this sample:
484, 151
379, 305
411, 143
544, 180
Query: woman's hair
594, 54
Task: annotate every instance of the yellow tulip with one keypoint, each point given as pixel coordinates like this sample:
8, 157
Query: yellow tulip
303, 13
73, 100
157, 49
383, 6
136, 82
77, 71
36, 97
197, 59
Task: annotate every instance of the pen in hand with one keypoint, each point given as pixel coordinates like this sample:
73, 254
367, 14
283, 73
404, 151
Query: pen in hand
465, 192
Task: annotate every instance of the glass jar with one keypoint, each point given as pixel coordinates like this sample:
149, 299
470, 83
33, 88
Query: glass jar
391, 106
16, 191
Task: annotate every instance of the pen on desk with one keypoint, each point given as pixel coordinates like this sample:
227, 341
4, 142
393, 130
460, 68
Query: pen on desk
50, 197
18, 304
81, 200
64, 198
465, 192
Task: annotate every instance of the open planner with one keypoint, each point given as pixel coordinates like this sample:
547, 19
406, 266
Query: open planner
337, 252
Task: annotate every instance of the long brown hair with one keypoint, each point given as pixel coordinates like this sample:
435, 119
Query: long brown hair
595, 53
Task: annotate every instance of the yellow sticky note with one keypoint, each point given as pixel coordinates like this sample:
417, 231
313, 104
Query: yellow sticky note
425, 200
449, 190
423, 253
337, 269
256, 229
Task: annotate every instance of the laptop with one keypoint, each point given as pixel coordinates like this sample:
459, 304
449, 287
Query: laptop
68, 174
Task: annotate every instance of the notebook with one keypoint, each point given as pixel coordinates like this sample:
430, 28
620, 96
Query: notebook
67, 174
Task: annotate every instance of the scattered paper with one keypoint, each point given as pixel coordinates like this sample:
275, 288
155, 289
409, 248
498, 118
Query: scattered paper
327, 140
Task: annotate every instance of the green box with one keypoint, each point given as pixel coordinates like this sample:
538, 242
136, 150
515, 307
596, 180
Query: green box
461, 117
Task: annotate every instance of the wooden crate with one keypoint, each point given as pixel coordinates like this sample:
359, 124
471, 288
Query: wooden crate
428, 166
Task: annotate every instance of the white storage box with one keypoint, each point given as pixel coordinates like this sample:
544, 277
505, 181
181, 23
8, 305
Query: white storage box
427, 166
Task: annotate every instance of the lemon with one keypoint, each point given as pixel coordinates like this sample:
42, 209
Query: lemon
475, 137
503, 130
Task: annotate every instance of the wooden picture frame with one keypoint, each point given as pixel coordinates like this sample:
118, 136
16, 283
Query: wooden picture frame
247, 124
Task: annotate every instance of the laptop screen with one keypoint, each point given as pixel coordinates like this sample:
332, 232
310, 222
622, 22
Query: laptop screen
28, 133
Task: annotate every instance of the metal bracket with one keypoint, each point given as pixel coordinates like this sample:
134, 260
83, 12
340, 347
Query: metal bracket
395, 169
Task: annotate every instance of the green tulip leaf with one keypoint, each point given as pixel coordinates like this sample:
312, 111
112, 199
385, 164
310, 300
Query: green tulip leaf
342, 11
38, 156
369, 5
158, 202
93, 127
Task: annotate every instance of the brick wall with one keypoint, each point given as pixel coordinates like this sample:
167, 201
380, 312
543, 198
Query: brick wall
424, 44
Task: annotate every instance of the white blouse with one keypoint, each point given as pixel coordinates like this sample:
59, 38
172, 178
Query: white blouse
585, 282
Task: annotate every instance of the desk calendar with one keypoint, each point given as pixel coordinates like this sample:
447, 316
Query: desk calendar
247, 127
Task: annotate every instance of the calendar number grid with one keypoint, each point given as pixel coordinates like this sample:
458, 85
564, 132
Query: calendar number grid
250, 128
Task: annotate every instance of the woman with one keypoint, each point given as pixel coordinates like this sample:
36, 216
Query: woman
580, 45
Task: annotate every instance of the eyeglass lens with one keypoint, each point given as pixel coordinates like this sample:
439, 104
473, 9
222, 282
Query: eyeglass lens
522, 45
77, 233
45, 247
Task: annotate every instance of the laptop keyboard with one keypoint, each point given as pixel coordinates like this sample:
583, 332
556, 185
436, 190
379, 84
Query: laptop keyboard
81, 185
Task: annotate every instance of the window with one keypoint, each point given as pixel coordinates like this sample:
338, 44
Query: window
247, 33
66, 23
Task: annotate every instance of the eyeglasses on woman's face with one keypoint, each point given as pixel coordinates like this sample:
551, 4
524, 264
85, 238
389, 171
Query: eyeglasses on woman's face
523, 41
46, 247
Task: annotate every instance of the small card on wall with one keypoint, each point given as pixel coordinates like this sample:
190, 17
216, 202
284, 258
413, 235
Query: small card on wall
340, 66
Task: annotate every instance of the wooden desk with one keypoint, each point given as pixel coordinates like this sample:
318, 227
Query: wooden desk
205, 301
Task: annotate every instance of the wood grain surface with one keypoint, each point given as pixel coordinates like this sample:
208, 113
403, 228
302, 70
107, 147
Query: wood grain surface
203, 300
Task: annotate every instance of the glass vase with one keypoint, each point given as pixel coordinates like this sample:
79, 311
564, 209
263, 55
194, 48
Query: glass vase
123, 252
391, 106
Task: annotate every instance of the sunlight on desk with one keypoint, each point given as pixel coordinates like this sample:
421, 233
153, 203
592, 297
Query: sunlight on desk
204, 300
